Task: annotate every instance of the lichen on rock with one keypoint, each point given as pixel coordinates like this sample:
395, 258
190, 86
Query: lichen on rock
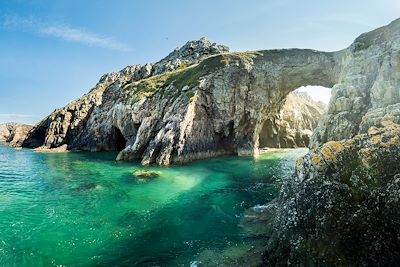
340, 208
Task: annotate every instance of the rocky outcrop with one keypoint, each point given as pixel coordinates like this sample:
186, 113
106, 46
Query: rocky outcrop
341, 207
201, 101
368, 89
14, 134
192, 112
294, 124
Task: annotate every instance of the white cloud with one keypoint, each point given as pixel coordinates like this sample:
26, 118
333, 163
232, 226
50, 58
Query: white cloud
12, 117
63, 32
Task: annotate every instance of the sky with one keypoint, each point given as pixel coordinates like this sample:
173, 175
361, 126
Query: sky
53, 51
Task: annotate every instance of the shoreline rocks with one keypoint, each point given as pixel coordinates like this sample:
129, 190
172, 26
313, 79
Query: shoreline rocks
340, 208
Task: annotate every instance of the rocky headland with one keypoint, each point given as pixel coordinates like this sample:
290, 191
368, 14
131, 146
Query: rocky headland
202, 101
14, 134
341, 206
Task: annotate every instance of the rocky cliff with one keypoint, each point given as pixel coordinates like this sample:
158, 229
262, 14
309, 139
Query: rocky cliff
202, 101
368, 89
215, 105
341, 207
14, 134
293, 125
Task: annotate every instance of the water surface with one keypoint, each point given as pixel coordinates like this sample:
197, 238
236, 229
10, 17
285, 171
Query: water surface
86, 209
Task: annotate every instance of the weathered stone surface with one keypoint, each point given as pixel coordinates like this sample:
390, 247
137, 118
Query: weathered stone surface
201, 102
368, 88
155, 120
294, 124
14, 134
341, 207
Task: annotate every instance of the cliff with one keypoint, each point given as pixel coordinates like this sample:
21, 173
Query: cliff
202, 101
368, 88
14, 134
293, 125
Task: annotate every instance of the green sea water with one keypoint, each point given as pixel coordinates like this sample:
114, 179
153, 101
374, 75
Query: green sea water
86, 209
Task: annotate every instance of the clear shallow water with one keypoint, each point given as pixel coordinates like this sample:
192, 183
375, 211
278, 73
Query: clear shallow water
85, 209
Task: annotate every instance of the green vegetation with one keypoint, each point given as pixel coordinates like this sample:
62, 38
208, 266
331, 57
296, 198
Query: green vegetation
195, 97
240, 58
187, 75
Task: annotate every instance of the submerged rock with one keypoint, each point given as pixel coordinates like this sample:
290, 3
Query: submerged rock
147, 175
341, 207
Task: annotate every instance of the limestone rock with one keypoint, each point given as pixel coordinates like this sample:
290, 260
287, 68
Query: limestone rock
340, 208
14, 134
294, 124
201, 101
368, 88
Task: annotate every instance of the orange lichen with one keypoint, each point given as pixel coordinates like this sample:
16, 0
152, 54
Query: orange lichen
331, 149
299, 162
376, 139
316, 160
372, 131
387, 123
392, 141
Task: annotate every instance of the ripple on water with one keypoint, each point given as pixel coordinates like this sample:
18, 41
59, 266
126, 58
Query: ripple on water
87, 210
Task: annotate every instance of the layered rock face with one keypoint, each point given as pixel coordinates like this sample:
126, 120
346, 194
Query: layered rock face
294, 124
213, 107
201, 101
341, 207
368, 89
14, 134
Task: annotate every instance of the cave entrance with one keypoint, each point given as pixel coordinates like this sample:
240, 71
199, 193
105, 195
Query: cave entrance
295, 122
118, 141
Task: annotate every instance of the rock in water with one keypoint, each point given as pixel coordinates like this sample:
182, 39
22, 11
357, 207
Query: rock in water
202, 101
147, 174
341, 207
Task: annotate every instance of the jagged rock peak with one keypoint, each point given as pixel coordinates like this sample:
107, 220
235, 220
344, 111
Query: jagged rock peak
193, 50
191, 53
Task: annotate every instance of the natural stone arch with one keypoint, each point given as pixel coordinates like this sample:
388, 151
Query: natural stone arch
270, 77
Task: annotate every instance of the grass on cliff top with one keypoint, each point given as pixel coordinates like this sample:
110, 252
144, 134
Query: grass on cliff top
188, 76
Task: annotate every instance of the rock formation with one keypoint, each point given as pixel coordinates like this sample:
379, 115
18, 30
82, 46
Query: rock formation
202, 101
13, 134
294, 124
341, 207
368, 89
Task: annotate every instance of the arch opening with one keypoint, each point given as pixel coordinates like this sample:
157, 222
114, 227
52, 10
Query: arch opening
296, 120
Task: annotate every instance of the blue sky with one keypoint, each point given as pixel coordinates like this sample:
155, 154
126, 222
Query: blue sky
53, 51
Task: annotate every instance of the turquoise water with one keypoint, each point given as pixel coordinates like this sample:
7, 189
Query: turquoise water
85, 209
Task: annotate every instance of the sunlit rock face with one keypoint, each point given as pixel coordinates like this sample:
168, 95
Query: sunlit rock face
293, 125
341, 207
13, 134
368, 89
202, 101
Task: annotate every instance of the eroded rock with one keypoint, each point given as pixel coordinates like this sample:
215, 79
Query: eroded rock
14, 134
201, 101
341, 207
